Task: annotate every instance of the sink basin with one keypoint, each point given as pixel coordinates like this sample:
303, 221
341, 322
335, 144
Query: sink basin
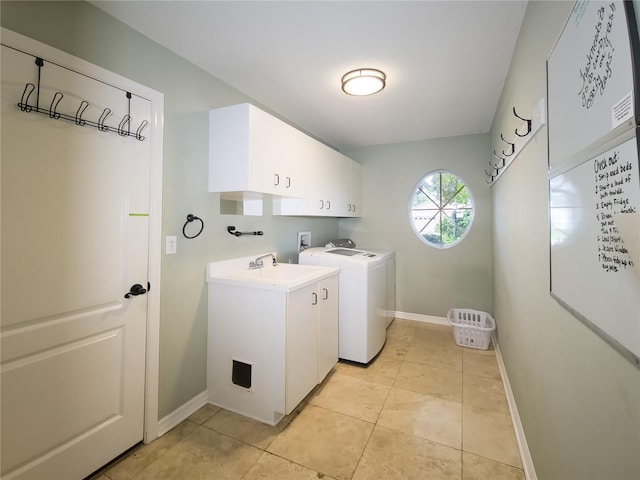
283, 277
280, 273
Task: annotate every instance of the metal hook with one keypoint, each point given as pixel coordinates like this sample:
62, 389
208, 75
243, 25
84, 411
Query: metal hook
513, 147
101, 126
503, 160
142, 126
83, 106
24, 100
124, 123
524, 120
57, 98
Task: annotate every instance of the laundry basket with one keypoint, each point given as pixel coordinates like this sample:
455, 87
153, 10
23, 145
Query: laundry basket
471, 328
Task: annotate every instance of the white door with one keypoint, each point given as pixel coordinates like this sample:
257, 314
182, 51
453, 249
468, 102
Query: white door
75, 220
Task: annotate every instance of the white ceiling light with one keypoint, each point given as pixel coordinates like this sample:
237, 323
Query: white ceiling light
363, 81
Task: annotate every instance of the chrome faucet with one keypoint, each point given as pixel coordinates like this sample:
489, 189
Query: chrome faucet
257, 263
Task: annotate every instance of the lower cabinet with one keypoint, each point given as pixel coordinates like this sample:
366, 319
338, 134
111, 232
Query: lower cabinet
268, 349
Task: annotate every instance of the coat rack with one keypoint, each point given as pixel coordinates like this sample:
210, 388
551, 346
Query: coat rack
510, 150
123, 129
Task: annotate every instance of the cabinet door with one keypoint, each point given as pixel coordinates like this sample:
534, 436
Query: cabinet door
340, 185
265, 152
327, 325
318, 196
295, 160
246, 151
301, 345
355, 193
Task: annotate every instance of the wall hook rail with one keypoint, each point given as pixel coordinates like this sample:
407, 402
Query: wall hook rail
123, 128
232, 230
524, 134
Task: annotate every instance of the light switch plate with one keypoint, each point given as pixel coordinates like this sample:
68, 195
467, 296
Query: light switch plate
171, 245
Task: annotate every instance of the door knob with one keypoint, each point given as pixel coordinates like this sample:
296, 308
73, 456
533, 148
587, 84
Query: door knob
135, 290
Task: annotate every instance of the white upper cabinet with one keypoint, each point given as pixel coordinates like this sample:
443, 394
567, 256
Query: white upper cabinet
254, 153
354, 206
348, 196
248, 152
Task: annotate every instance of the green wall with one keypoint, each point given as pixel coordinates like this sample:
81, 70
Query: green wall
429, 281
579, 399
86, 32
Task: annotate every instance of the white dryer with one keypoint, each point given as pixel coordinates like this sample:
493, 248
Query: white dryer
362, 300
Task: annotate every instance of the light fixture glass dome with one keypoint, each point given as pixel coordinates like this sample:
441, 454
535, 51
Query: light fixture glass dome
363, 81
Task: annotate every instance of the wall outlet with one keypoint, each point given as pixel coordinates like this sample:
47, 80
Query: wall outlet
171, 245
304, 240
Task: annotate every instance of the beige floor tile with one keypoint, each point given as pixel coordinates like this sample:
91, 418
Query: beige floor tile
435, 355
441, 335
402, 330
204, 454
490, 435
203, 414
484, 392
245, 429
394, 349
352, 396
271, 467
440, 382
480, 362
383, 370
423, 416
393, 455
480, 468
324, 441
144, 455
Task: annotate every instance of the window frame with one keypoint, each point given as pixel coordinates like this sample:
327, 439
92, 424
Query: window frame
441, 208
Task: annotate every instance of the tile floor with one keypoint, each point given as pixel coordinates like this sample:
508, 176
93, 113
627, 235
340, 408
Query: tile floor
425, 409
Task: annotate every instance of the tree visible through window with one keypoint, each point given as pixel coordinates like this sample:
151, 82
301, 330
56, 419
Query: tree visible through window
441, 209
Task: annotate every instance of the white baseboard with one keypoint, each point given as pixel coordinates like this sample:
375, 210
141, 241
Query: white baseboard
182, 413
525, 454
422, 318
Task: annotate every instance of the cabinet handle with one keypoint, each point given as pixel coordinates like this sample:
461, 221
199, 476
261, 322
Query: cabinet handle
276, 179
354, 208
288, 182
326, 294
321, 204
349, 210
328, 204
315, 298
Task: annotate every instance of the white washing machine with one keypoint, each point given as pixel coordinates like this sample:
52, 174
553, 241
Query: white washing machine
362, 300
390, 272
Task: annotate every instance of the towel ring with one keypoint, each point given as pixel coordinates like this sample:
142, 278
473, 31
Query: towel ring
191, 218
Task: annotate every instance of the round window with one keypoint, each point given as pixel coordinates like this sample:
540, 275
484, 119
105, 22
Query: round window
441, 209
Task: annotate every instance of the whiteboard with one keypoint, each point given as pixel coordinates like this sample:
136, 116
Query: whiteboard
592, 273
590, 82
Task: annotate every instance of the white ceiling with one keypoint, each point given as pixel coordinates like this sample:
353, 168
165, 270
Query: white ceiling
446, 61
